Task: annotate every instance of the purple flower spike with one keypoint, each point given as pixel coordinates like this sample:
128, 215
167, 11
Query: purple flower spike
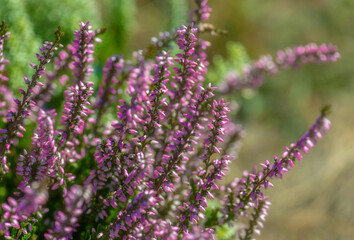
82, 52
75, 109
134, 216
191, 212
181, 138
256, 220
18, 211
40, 163
4, 36
307, 54
66, 221
247, 191
107, 92
61, 63
219, 111
15, 118
77, 96
202, 13
253, 75
198, 232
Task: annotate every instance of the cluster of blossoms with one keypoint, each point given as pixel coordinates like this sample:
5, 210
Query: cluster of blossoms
151, 172
246, 192
253, 75
6, 98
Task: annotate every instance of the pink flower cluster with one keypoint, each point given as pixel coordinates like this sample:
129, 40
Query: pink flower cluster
253, 75
247, 192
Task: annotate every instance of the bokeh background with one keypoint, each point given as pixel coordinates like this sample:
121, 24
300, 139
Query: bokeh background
316, 199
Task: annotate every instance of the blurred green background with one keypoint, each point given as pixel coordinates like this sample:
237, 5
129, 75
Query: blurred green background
316, 199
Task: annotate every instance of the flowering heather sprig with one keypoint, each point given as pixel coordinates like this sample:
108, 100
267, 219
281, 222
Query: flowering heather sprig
157, 228
253, 75
180, 145
108, 91
197, 203
193, 62
6, 98
198, 232
15, 118
217, 129
185, 84
310, 53
131, 114
186, 75
66, 61
112, 160
131, 168
201, 13
129, 179
82, 52
66, 221
76, 100
120, 163
61, 63
256, 220
39, 163
17, 211
133, 216
156, 115
177, 93
4, 36
77, 96
182, 139
245, 192
6, 104
217, 136
139, 82
43, 162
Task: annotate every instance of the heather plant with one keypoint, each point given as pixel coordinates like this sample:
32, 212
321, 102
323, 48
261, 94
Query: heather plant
142, 154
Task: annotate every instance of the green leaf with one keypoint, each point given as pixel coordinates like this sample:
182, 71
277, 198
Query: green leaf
226, 232
235, 61
26, 236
